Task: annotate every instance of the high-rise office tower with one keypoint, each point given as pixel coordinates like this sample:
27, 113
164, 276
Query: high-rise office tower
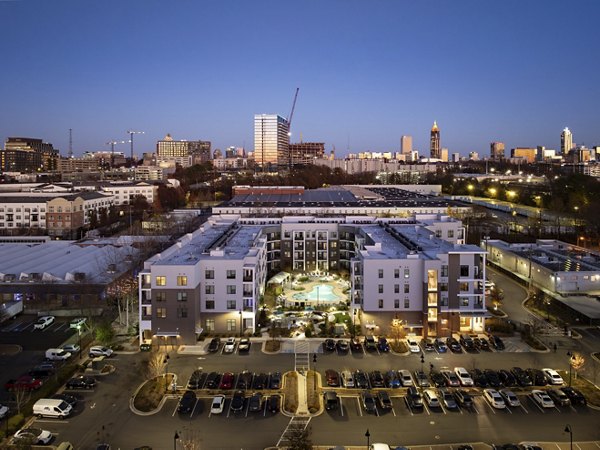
566, 141
170, 148
23, 154
271, 141
497, 150
435, 149
406, 145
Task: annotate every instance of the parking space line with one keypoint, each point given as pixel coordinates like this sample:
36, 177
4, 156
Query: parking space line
426, 409
557, 408
408, 406
394, 412
175, 410
508, 409
194, 409
265, 407
489, 406
359, 407
229, 409
341, 407
538, 407
59, 327
247, 408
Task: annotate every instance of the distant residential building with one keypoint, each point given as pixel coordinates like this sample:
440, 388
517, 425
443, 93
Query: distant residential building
125, 192
192, 152
68, 165
67, 214
444, 154
306, 152
271, 141
497, 150
406, 146
566, 141
148, 173
23, 154
455, 157
526, 153
106, 159
233, 163
474, 156
435, 149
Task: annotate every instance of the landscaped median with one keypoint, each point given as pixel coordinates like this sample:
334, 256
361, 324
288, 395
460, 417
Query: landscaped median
150, 395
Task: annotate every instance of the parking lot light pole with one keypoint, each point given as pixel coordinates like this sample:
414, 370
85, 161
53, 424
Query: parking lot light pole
166, 372
175, 439
79, 338
315, 362
353, 323
422, 361
570, 355
368, 436
569, 430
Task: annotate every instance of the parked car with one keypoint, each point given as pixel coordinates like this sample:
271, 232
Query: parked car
385, 402
463, 398
413, 345
431, 398
32, 436
332, 377
81, 382
329, 345
440, 346
447, 398
98, 350
377, 380
405, 378
437, 379
227, 381
217, 405
492, 378
331, 400
496, 343
237, 402
355, 345
245, 380
275, 380
43, 322
392, 380
479, 378
342, 346
3, 411
214, 345
273, 403
42, 372
244, 345
413, 398
370, 344
521, 377
255, 402
453, 345
494, 398
428, 345
542, 398
507, 378
421, 379
195, 380
538, 377
69, 398
229, 346
347, 379
463, 376
483, 345
553, 377
361, 380
383, 345
24, 382
77, 323
212, 380
451, 378
467, 342
71, 348
510, 398
576, 397
368, 402
260, 381
559, 397
187, 402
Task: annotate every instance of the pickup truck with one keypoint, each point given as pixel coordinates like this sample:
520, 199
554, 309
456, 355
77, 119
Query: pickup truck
24, 382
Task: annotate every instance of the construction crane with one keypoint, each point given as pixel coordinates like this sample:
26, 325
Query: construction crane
112, 150
290, 162
131, 133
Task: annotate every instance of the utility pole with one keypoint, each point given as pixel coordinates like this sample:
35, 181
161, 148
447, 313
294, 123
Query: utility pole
70, 142
112, 144
131, 133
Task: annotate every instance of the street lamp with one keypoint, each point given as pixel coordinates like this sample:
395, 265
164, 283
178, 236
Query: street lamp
241, 324
569, 430
79, 338
315, 362
368, 436
175, 439
353, 323
422, 361
570, 355
166, 372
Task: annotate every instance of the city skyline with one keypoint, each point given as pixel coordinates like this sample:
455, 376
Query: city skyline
367, 74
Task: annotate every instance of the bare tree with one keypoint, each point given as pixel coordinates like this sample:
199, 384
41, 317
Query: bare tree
157, 364
21, 397
577, 362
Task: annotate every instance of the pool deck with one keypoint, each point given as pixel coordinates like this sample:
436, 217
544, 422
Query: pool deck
337, 289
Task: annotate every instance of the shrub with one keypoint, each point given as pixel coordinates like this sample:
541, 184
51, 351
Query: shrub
14, 423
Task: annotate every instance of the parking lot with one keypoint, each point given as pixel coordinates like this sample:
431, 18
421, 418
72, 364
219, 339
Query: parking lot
20, 330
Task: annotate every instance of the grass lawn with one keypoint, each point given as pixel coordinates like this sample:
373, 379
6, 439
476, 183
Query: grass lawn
290, 392
312, 392
273, 345
151, 393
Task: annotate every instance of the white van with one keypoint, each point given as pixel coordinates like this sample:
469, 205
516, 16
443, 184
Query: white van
49, 407
57, 354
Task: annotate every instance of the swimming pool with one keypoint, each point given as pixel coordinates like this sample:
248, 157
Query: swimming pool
320, 292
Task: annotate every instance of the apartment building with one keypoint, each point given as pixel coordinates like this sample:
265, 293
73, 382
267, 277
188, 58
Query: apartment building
125, 192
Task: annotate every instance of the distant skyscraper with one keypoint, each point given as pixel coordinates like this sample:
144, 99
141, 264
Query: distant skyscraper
566, 141
406, 145
497, 150
271, 141
435, 150
199, 151
23, 154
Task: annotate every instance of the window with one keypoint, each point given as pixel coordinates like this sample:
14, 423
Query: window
464, 287
443, 287
406, 303
161, 296
209, 274
406, 273
210, 325
161, 313
380, 289
182, 312
231, 274
450, 234
407, 288
231, 304
464, 271
210, 304
438, 233
444, 271
464, 301
182, 296
380, 303
181, 280
396, 289
397, 303
396, 273
231, 289
380, 272
161, 281
209, 289
231, 324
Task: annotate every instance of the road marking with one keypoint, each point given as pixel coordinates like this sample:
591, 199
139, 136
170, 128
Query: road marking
175, 410
524, 409
341, 407
194, 409
359, 407
393, 412
93, 405
59, 327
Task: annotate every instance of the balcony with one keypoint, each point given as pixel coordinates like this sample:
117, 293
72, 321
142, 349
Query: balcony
247, 278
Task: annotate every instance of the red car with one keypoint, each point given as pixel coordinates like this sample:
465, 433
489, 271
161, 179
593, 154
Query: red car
227, 381
24, 382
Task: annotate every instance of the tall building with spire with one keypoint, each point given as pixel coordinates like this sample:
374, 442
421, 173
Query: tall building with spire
435, 149
566, 141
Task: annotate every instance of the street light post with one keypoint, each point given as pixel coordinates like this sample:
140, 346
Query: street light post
175, 439
368, 436
569, 430
241, 324
79, 338
570, 355
166, 372
315, 362
422, 361
353, 323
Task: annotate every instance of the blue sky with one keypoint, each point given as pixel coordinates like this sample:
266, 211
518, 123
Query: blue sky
368, 71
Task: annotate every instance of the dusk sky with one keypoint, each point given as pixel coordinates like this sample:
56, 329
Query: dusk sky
517, 71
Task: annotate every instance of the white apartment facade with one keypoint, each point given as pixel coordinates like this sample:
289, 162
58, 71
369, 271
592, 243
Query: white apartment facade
124, 192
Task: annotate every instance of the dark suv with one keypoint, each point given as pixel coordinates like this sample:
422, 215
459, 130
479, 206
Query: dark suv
214, 345
413, 398
370, 344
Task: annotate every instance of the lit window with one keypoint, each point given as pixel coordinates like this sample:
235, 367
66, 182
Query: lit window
161, 313
161, 281
181, 280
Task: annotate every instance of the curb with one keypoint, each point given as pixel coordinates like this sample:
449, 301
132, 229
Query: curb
164, 398
266, 352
